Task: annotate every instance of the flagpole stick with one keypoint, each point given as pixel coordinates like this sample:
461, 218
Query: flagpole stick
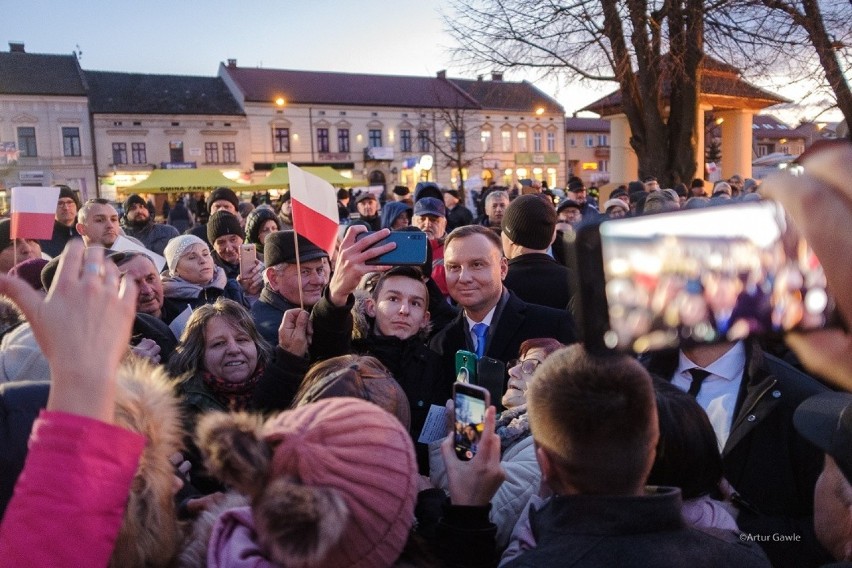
298, 267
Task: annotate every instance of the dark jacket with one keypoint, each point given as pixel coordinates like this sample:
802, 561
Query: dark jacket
458, 216
415, 367
516, 322
267, 313
178, 217
765, 460
646, 530
20, 403
155, 236
61, 236
537, 278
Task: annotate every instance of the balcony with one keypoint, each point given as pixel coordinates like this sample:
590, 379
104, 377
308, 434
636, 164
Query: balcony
602, 152
378, 154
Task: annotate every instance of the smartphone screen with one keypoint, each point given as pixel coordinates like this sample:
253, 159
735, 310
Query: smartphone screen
466, 366
410, 248
705, 276
470, 404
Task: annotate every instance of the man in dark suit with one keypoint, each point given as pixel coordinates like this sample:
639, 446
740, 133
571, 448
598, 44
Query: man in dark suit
493, 322
750, 397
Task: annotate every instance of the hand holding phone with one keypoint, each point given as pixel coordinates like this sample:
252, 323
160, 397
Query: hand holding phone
248, 255
410, 249
474, 482
469, 404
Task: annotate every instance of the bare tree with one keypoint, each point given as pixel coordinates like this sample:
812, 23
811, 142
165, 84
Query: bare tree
805, 41
652, 49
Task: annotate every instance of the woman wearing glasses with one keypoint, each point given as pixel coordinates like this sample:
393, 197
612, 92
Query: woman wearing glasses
517, 452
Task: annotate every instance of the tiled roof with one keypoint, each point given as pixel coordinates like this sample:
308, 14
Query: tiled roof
718, 79
350, 89
40, 74
510, 96
767, 126
578, 124
137, 93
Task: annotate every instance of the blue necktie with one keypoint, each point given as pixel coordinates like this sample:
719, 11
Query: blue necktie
480, 330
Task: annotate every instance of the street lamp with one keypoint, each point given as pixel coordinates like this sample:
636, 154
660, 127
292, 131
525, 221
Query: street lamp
280, 102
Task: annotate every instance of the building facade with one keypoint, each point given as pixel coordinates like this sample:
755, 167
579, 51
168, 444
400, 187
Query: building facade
587, 149
45, 129
143, 122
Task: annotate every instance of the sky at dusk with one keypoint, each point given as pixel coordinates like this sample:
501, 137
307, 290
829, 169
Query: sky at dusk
191, 37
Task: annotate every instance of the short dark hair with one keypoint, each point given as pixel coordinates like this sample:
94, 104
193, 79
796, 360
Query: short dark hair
470, 230
596, 417
687, 452
406, 272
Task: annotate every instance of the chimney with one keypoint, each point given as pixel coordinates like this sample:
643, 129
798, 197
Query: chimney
479, 77
16, 47
496, 76
232, 63
442, 74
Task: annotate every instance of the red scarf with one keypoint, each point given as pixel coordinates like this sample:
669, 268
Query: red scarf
234, 396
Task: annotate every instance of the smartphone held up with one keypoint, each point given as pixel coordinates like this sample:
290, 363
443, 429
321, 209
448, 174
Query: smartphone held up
470, 403
410, 248
699, 276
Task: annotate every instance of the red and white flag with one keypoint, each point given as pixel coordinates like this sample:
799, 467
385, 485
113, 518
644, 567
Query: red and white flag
33, 212
315, 214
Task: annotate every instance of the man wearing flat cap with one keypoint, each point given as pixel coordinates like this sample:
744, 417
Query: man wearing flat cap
368, 208
138, 223
281, 291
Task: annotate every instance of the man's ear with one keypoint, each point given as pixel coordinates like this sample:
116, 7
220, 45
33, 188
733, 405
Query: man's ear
271, 275
81, 229
504, 267
370, 307
426, 317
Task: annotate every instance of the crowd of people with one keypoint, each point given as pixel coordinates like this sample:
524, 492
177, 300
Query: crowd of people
282, 410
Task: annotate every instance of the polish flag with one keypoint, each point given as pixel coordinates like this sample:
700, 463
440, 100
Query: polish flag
33, 211
315, 214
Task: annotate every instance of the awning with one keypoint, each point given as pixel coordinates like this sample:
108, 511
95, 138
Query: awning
279, 177
188, 180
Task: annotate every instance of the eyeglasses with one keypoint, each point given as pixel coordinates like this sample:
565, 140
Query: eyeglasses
528, 366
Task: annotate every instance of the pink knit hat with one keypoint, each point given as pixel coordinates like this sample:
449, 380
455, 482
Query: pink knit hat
364, 453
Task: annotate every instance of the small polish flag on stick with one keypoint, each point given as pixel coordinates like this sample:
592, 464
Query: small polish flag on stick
315, 214
33, 211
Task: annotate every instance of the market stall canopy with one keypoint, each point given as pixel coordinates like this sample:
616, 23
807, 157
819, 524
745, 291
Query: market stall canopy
166, 181
279, 177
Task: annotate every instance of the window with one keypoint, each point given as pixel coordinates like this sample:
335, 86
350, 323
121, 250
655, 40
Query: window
119, 153
572, 141
506, 136
322, 141
375, 137
211, 152
281, 140
536, 141
603, 165
138, 153
343, 140
71, 141
590, 140
456, 140
602, 140
176, 151
551, 141
27, 142
229, 152
485, 137
405, 140
522, 141
423, 140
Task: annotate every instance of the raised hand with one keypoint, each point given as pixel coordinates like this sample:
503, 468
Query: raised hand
83, 326
352, 260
